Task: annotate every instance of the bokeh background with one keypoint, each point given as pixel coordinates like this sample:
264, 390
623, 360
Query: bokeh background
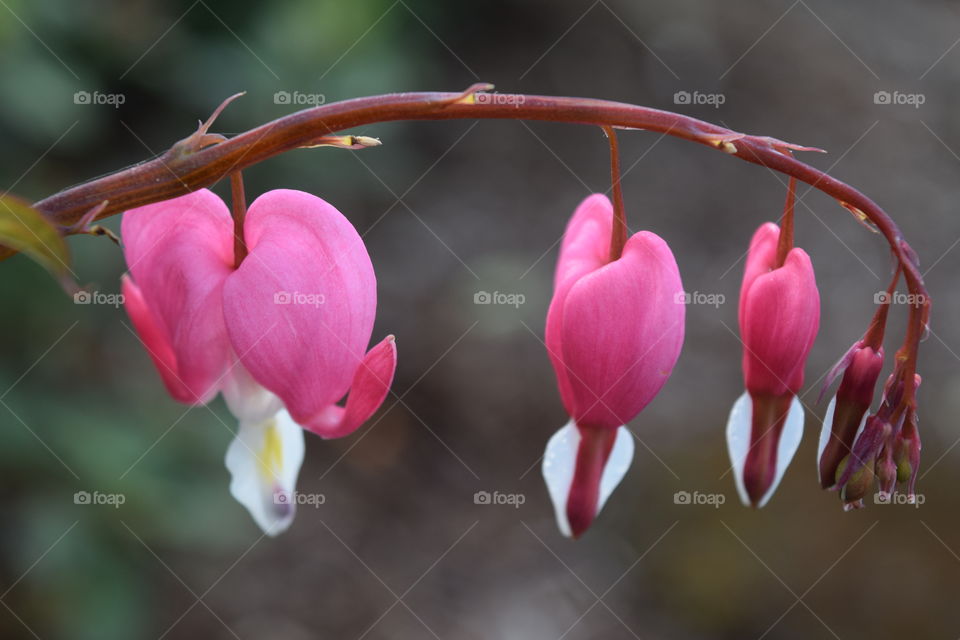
399, 549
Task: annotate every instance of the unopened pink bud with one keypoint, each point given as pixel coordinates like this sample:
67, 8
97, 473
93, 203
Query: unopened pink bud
906, 453
886, 471
846, 412
858, 486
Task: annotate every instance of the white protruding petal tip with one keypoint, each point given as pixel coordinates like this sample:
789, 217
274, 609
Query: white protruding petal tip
559, 464
739, 426
264, 460
738, 441
617, 465
559, 461
826, 429
789, 443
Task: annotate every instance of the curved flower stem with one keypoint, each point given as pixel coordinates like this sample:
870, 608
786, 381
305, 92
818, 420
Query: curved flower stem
618, 236
873, 338
239, 213
188, 166
785, 241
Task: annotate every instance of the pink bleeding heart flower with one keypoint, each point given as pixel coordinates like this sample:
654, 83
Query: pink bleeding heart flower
779, 317
283, 336
614, 332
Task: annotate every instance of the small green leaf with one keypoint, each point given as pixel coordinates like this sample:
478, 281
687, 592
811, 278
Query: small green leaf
25, 229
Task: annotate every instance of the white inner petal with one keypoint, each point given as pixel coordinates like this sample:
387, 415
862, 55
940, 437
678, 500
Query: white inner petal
738, 441
264, 460
559, 460
825, 429
246, 399
617, 464
789, 443
739, 426
559, 464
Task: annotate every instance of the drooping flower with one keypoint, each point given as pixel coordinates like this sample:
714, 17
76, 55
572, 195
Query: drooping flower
906, 454
283, 336
887, 449
614, 331
779, 316
846, 414
857, 448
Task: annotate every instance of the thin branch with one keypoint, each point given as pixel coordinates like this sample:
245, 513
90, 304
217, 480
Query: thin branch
188, 166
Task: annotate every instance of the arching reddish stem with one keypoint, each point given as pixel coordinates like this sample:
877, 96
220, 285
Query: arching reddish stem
183, 168
873, 337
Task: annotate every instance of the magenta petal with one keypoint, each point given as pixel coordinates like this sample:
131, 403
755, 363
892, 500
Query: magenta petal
780, 319
839, 368
761, 259
299, 311
179, 253
370, 386
585, 248
586, 241
154, 339
622, 328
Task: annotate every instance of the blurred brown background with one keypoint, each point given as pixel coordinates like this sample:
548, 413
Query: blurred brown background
400, 549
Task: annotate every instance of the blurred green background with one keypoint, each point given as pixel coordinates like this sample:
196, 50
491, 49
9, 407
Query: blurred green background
399, 549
